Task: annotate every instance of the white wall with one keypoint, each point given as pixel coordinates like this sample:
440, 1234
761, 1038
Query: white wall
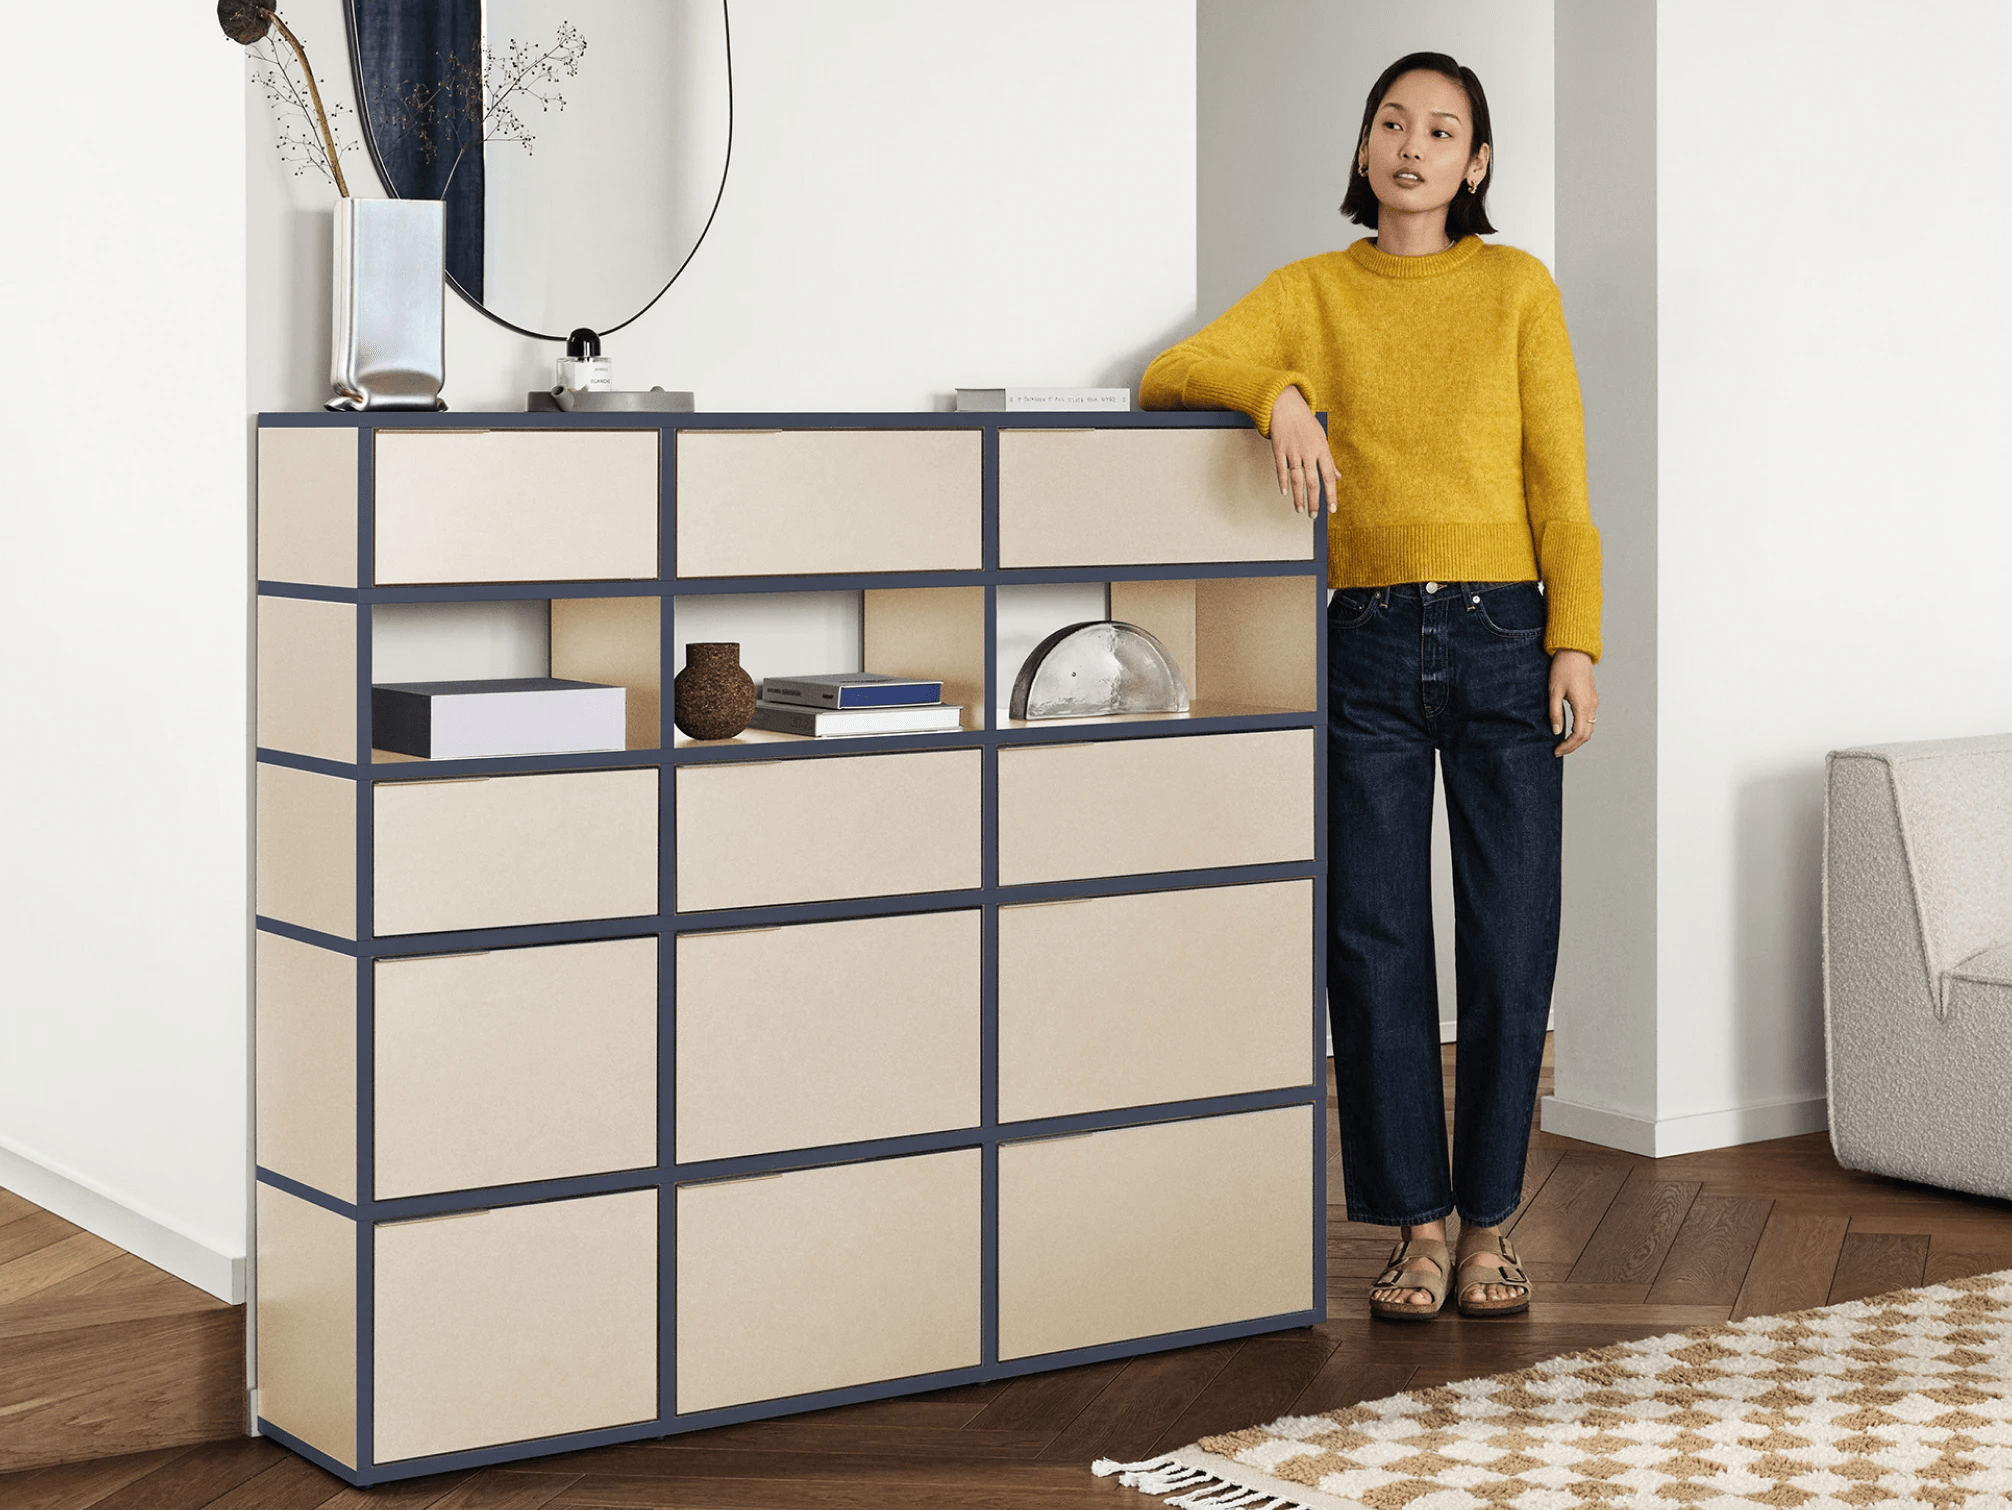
1833, 475
124, 607
922, 197
1606, 1001
1831, 501
1280, 86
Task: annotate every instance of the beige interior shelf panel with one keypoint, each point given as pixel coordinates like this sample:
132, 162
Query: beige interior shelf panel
515, 505
1140, 1231
821, 1278
1135, 497
617, 642
936, 633
494, 853
523, 1321
757, 503
1257, 640
306, 1052
306, 1322
307, 505
825, 1033
515, 1065
1159, 996
755, 834
307, 849
1135, 806
307, 677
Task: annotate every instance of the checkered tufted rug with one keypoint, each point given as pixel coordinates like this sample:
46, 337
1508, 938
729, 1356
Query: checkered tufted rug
1901, 1399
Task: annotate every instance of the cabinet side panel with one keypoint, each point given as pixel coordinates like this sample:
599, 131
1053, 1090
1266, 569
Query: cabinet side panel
515, 849
306, 1056
937, 633
516, 505
307, 677
307, 505
615, 641
307, 849
1078, 1266
1140, 497
1257, 640
1134, 806
785, 502
307, 1322
515, 1065
1165, 610
822, 1278
521, 1322
758, 834
1163, 996
826, 1033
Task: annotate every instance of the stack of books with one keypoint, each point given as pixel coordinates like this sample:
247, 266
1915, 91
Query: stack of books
851, 703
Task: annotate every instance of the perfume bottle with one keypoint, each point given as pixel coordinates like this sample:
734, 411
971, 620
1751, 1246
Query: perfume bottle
583, 369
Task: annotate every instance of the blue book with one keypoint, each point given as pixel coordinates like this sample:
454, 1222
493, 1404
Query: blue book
850, 689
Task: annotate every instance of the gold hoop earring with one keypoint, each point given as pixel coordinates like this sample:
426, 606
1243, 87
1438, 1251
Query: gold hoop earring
1473, 187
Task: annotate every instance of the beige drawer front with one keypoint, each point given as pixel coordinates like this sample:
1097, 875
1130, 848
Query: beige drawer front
810, 830
1124, 497
515, 505
1164, 996
821, 1278
826, 1033
775, 503
1078, 1267
514, 1065
553, 848
1134, 806
525, 1321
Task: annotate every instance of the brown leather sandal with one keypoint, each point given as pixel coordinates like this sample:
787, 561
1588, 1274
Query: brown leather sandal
1510, 1273
1396, 1276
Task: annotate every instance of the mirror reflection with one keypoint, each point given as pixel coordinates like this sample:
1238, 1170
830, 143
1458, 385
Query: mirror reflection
580, 145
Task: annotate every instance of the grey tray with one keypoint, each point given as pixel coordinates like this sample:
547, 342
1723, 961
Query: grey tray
618, 401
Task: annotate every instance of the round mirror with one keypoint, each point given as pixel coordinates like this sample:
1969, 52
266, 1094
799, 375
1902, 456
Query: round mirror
581, 149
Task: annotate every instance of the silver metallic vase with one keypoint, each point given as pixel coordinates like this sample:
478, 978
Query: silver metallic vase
390, 347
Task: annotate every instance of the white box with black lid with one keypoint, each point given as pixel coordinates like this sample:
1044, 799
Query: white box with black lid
527, 715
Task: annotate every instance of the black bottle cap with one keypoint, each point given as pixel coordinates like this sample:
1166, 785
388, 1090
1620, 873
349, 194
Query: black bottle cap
583, 343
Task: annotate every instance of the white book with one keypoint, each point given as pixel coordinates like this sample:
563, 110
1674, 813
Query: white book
1033, 400
823, 723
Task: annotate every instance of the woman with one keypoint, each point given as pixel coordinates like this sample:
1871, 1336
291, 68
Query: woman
1465, 623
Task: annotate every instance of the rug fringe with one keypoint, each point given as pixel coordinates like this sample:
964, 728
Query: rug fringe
1202, 1489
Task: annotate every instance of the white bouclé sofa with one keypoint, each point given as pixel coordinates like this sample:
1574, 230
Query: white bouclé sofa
1917, 961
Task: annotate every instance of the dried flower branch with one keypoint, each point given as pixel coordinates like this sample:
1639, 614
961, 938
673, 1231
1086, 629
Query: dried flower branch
301, 145
248, 23
479, 100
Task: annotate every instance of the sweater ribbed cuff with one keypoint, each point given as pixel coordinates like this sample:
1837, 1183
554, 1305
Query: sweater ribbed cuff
1569, 556
1247, 387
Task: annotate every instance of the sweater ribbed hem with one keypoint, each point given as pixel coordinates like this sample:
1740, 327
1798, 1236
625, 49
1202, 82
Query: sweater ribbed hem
1366, 256
1388, 554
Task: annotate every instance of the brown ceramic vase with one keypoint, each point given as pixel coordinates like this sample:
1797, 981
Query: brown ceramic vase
712, 697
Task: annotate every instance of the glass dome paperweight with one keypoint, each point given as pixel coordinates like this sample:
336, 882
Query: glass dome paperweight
1100, 667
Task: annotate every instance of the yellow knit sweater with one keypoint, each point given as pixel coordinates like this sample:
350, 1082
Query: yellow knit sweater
1453, 415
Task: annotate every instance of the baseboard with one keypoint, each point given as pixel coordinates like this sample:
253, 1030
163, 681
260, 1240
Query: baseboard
1668, 1136
147, 1237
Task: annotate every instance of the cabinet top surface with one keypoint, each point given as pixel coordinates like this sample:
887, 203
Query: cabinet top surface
1096, 419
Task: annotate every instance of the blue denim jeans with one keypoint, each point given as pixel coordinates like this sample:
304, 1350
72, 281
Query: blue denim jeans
1457, 670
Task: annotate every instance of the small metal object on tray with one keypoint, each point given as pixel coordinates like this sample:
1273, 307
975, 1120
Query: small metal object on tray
613, 401
1096, 668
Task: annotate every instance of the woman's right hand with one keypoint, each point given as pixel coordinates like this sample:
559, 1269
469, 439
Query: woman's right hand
1299, 447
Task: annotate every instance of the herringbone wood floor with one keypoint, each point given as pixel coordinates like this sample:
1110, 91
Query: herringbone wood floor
1620, 1246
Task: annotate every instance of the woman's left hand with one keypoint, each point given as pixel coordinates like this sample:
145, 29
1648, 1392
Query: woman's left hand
1572, 682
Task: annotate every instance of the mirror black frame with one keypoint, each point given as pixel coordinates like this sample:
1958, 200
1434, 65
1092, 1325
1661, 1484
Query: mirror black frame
384, 176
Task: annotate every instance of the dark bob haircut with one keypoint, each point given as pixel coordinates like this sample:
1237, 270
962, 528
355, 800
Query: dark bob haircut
1468, 214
